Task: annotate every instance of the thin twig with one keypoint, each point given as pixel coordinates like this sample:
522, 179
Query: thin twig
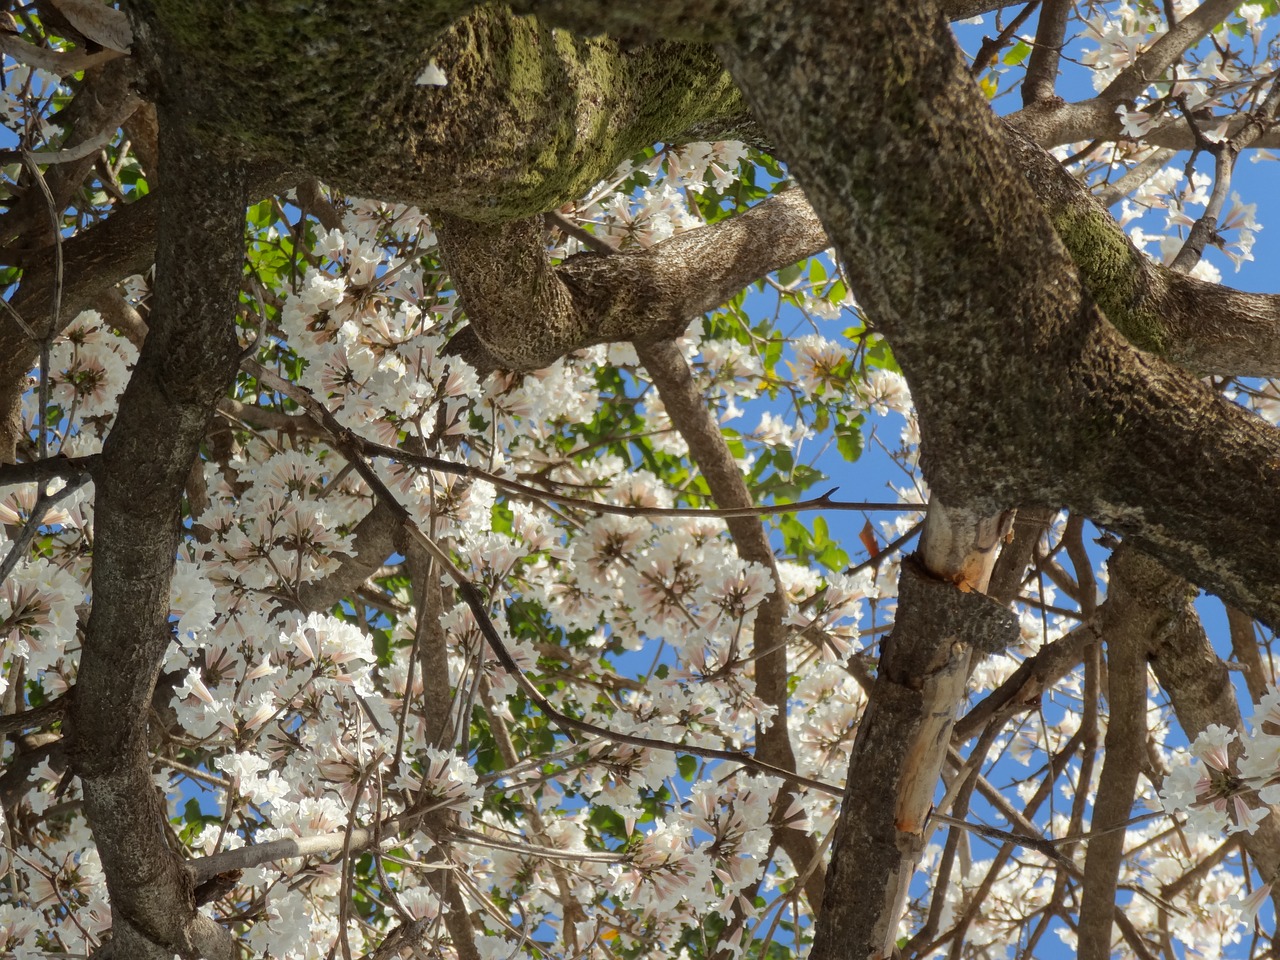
17, 318
993, 45
34, 169
44, 503
348, 444
371, 449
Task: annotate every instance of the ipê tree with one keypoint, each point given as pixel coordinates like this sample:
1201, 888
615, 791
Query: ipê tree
324, 543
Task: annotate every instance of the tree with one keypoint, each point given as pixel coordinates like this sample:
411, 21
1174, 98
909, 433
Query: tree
422, 495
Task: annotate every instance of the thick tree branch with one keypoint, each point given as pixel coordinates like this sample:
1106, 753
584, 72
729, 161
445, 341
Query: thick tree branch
1042, 68
93, 262
35, 717
187, 362
526, 122
901, 742
47, 469
526, 313
1044, 403
261, 418
432, 648
1029, 525
1207, 328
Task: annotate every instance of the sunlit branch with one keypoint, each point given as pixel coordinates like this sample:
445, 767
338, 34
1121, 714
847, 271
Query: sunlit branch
533, 849
39, 716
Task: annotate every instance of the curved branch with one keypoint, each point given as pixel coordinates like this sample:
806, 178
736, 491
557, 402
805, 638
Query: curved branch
377, 535
1205, 327
35, 717
526, 122
93, 262
47, 469
526, 313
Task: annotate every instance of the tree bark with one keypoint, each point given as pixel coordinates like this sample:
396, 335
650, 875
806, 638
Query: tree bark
923, 670
187, 362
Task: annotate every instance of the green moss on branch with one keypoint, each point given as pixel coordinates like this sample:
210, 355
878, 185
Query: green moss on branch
1113, 272
530, 118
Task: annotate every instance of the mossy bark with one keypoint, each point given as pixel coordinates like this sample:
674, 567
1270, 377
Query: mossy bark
529, 118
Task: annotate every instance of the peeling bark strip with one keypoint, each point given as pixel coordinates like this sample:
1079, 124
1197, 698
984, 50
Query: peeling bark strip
188, 361
960, 544
905, 729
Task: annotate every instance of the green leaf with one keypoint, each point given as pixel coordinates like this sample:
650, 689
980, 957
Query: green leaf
789, 275
260, 214
849, 442
1017, 53
833, 558
502, 518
